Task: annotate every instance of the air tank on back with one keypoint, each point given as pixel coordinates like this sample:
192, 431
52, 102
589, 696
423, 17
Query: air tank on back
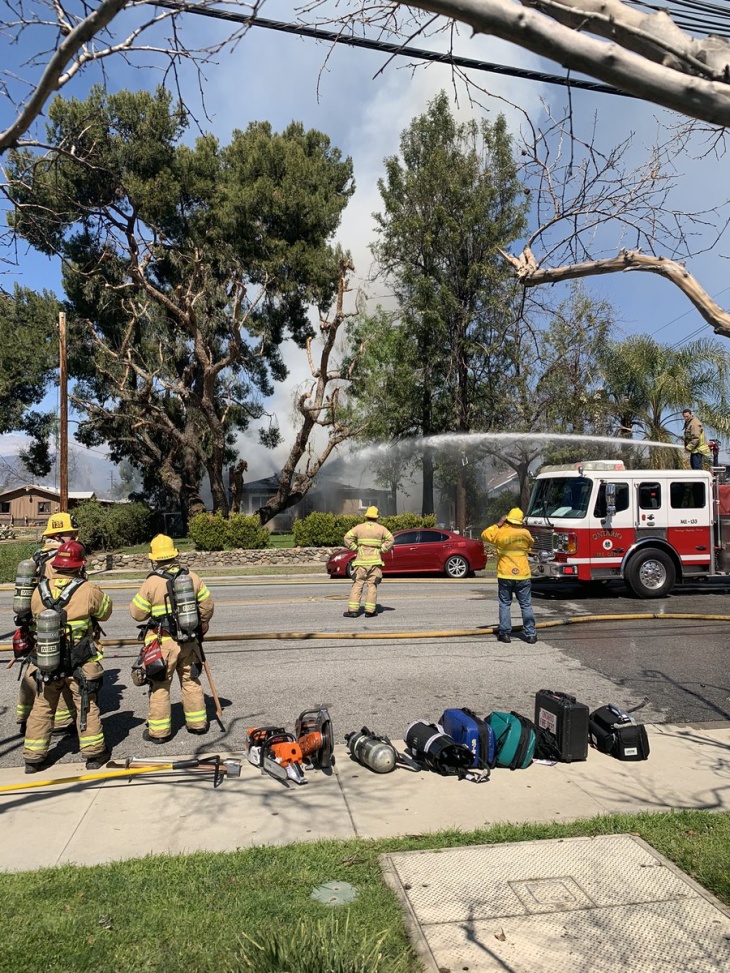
186, 604
26, 580
48, 641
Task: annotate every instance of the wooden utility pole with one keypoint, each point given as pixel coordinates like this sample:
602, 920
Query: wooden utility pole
63, 400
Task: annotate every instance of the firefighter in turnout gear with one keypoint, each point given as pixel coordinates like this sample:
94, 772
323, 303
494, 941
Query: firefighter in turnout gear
370, 540
66, 611
177, 607
60, 528
694, 440
513, 542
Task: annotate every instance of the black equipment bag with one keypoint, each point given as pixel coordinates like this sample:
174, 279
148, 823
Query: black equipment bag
614, 731
430, 746
566, 721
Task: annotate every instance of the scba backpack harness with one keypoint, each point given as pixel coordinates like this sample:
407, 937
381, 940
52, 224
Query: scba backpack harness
181, 620
57, 654
432, 748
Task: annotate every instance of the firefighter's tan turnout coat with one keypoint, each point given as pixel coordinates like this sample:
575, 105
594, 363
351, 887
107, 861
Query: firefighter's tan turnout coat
152, 602
87, 603
370, 540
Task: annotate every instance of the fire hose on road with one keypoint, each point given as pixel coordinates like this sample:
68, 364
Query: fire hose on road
446, 633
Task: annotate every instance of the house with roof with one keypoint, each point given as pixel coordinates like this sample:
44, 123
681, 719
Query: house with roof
31, 505
326, 496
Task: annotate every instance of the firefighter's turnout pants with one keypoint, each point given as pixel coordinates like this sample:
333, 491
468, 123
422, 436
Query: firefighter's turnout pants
184, 660
65, 713
367, 577
40, 722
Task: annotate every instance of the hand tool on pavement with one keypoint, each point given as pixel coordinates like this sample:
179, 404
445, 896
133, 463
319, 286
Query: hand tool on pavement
221, 766
110, 775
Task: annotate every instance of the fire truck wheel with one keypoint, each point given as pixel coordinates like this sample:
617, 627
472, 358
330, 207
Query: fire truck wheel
651, 574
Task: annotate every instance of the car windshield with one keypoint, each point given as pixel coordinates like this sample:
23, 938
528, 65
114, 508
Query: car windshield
561, 496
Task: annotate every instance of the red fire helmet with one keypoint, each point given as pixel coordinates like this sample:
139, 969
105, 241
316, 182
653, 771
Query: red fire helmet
70, 556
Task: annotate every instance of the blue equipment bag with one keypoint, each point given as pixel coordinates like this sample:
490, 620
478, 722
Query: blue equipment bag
515, 739
465, 727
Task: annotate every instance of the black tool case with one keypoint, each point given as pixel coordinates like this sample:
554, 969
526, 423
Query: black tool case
566, 720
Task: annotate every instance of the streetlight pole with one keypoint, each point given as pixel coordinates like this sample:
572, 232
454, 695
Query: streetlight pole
63, 406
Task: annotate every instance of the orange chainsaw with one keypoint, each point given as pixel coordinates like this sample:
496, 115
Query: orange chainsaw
283, 755
277, 753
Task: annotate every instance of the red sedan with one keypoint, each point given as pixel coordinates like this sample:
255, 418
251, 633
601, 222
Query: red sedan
428, 550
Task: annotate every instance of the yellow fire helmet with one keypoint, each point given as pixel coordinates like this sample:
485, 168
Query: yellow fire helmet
59, 523
162, 548
515, 517
372, 513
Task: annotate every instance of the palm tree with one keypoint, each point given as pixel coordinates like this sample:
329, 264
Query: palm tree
647, 383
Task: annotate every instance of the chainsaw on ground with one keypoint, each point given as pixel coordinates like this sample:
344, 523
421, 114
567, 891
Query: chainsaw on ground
285, 755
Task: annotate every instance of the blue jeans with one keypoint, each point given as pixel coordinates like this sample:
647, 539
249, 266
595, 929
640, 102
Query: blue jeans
695, 461
521, 589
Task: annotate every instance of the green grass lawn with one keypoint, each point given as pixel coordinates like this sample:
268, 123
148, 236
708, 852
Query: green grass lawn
201, 912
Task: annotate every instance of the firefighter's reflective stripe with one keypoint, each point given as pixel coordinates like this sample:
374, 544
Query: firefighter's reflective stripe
38, 746
199, 716
21, 711
142, 603
161, 727
203, 592
89, 740
64, 715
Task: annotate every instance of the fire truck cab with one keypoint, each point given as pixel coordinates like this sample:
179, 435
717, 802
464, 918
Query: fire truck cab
596, 521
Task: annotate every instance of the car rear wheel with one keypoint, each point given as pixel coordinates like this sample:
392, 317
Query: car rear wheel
457, 566
350, 571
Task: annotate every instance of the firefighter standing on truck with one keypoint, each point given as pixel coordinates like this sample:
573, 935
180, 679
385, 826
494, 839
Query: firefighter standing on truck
177, 607
65, 610
370, 540
694, 440
60, 528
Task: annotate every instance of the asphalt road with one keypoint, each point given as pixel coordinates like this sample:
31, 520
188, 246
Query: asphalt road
674, 671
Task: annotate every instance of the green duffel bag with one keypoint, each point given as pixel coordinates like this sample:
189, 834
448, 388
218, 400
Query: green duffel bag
515, 739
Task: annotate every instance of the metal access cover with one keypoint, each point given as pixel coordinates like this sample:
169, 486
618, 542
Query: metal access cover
579, 905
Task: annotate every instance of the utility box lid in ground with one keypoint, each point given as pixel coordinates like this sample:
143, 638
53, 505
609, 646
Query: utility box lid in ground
577, 905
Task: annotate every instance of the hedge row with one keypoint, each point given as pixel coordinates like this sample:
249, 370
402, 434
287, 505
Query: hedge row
212, 532
328, 530
108, 528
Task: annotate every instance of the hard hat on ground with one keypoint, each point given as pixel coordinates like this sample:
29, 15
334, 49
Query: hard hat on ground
515, 517
69, 557
372, 513
162, 548
60, 523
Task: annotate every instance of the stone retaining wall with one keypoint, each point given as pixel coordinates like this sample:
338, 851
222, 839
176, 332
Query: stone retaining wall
219, 559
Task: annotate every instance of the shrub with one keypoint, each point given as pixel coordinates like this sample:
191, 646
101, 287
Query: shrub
209, 532
104, 528
408, 521
11, 555
328, 530
316, 530
243, 531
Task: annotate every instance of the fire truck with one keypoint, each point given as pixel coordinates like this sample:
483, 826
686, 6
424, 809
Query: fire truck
652, 529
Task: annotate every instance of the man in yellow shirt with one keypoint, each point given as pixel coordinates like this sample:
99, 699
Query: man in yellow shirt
513, 542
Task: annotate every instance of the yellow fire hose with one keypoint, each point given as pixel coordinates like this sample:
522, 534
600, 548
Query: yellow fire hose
446, 633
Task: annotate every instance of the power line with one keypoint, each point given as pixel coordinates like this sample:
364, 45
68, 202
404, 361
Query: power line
399, 50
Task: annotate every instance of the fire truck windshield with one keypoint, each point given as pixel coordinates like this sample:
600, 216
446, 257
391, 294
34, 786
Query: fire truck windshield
562, 497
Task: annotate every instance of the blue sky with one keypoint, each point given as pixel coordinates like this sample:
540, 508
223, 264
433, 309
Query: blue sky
363, 109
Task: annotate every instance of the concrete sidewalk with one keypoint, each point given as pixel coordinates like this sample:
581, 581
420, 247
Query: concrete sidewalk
92, 822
